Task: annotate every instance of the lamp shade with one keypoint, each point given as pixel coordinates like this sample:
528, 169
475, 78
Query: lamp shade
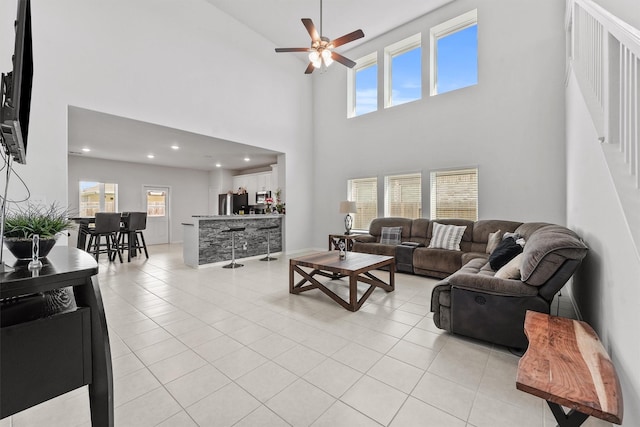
348, 207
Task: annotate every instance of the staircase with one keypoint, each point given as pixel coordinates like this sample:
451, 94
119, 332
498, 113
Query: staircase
603, 52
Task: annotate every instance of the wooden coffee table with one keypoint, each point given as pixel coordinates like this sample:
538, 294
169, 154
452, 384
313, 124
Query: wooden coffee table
356, 266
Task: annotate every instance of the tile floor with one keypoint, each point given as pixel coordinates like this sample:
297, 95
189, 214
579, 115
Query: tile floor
218, 347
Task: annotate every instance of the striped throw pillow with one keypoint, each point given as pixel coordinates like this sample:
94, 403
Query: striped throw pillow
446, 236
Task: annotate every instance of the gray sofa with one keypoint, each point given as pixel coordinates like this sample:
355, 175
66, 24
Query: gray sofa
471, 300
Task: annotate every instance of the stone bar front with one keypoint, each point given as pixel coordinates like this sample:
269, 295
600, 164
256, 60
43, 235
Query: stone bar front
205, 241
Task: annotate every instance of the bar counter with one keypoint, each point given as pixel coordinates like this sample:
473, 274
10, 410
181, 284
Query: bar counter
205, 242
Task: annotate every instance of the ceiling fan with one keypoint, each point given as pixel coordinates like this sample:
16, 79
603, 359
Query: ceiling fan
321, 51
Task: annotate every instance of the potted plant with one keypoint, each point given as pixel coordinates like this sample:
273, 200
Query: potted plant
22, 223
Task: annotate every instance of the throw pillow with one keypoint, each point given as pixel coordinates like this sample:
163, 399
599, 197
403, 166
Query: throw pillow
510, 270
447, 236
390, 235
492, 242
506, 250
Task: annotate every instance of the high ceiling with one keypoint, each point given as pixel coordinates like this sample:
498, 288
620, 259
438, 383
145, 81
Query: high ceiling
117, 138
279, 20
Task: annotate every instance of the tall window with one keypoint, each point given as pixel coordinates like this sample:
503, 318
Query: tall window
454, 53
362, 82
364, 191
97, 197
403, 195
454, 194
403, 71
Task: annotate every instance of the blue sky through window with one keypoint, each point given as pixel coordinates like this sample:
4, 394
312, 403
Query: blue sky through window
367, 89
457, 60
406, 77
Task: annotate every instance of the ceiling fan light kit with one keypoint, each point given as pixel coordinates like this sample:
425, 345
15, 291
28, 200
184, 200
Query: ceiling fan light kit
321, 51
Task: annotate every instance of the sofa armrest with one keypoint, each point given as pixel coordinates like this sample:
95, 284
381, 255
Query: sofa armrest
364, 238
491, 285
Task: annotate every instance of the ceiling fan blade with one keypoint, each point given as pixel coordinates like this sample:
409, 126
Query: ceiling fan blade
310, 68
357, 34
308, 24
293, 49
343, 60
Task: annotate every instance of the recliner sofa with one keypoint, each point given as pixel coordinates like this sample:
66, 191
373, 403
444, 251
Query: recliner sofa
471, 300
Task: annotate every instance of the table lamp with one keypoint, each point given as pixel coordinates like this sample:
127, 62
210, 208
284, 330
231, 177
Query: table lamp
347, 207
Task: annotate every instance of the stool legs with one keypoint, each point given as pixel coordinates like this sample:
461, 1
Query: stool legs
233, 263
268, 257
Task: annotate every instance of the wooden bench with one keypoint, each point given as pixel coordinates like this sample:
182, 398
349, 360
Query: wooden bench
567, 365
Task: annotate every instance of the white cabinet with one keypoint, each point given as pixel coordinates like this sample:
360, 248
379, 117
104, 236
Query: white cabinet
263, 181
254, 182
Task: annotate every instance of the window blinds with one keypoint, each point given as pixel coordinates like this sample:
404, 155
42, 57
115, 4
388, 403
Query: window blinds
403, 196
454, 194
364, 191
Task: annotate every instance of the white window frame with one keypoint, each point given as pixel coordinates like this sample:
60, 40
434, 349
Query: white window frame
396, 49
364, 62
434, 192
350, 198
387, 195
101, 195
451, 26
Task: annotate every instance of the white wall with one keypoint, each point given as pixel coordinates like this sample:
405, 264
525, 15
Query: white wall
188, 187
182, 64
510, 125
605, 289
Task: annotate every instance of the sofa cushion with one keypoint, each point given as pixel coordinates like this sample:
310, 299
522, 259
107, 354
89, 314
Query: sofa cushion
491, 285
446, 236
510, 270
494, 239
546, 250
374, 248
375, 228
437, 260
506, 250
391, 235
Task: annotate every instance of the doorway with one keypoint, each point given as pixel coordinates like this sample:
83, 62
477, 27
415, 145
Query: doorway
156, 201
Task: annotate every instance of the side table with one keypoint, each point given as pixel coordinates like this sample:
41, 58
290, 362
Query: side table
335, 239
48, 356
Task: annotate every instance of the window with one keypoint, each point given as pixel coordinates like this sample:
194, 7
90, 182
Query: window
454, 53
454, 194
362, 83
97, 197
403, 195
403, 71
364, 191
156, 203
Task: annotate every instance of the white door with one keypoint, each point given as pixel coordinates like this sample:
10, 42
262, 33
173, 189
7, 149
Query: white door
156, 200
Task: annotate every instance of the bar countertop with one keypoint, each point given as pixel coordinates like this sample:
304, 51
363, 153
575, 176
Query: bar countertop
206, 239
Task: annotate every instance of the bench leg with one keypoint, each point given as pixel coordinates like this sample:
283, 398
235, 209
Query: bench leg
571, 419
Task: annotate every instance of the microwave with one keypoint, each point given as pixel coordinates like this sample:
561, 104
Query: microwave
261, 196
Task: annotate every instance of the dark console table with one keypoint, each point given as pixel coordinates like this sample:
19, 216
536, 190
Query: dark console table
51, 352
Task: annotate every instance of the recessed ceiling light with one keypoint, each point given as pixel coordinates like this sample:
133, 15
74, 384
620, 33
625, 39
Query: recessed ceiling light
175, 147
218, 165
151, 156
86, 150
246, 159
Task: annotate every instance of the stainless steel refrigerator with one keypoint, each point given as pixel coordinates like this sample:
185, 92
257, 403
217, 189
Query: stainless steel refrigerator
229, 204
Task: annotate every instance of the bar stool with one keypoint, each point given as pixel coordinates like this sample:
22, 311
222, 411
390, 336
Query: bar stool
268, 228
233, 230
134, 224
107, 226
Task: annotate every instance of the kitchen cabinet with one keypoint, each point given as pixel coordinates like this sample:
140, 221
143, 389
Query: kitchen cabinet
253, 182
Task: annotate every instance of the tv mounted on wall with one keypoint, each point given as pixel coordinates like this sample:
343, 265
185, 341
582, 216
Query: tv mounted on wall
16, 89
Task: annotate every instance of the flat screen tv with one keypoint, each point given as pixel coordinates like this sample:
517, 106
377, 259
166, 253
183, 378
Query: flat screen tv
16, 89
